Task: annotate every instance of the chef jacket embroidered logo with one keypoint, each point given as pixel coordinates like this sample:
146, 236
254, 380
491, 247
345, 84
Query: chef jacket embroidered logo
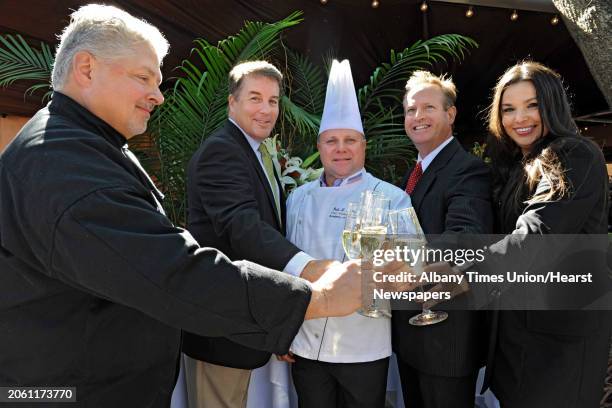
337, 213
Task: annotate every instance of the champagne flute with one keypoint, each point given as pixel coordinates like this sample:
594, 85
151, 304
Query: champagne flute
373, 233
407, 232
350, 234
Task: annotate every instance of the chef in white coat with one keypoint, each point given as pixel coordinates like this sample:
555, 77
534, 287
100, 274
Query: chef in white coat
338, 362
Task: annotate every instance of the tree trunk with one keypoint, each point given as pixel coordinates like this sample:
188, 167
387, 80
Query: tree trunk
590, 24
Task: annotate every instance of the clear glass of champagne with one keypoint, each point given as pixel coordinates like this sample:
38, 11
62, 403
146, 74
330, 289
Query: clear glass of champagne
407, 232
373, 234
350, 234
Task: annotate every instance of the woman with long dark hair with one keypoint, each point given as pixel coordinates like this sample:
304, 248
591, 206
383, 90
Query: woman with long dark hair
547, 179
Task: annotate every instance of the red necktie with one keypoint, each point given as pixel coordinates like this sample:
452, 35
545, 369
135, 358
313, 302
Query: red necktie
414, 178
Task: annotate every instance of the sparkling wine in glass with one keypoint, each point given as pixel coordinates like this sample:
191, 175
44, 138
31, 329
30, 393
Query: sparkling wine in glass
350, 233
373, 236
407, 232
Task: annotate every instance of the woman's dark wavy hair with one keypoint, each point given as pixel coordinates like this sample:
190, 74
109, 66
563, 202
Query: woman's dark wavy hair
542, 161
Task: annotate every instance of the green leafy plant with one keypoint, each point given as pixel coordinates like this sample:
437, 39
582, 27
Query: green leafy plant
479, 150
20, 61
196, 103
302, 103
293, 171
196, 106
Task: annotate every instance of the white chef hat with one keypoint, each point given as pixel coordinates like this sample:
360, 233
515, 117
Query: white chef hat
341, 110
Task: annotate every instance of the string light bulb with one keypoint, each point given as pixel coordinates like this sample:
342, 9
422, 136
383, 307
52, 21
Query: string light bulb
323, 2
514, 15
375, 3
424, 6
554, 20
470, 12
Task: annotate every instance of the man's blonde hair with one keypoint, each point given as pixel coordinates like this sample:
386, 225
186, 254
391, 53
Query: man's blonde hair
446, 85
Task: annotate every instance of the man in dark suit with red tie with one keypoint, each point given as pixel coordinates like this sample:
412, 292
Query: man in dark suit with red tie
450, 192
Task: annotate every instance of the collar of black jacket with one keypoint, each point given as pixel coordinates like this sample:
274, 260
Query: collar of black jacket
70, 108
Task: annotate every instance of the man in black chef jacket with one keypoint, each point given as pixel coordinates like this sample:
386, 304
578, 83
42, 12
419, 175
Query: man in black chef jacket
95, 282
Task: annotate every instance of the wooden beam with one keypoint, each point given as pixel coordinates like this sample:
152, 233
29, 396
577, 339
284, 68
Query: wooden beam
546, 6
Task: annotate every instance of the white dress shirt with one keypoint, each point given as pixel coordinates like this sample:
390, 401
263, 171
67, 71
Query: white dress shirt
426, 161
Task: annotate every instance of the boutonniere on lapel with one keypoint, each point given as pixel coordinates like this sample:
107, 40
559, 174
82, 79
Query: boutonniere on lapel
293, 171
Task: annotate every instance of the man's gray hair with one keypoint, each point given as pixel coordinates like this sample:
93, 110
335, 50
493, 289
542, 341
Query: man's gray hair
107, 33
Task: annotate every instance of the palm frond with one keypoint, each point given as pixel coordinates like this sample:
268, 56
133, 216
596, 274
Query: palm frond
387, 141
386, 82
306, 83
305, 123
302, 103
21, 62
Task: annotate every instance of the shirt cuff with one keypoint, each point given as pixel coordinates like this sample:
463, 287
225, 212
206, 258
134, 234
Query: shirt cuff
297, 264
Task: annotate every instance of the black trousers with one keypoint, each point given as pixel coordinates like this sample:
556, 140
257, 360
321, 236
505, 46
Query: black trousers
343, 385
423, 390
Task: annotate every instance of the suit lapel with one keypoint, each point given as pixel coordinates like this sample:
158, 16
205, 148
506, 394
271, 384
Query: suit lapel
244, 144
429, 176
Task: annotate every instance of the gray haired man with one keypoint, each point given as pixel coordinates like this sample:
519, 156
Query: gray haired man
95, 281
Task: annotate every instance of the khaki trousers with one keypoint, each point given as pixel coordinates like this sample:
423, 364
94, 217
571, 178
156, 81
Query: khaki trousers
214, 386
